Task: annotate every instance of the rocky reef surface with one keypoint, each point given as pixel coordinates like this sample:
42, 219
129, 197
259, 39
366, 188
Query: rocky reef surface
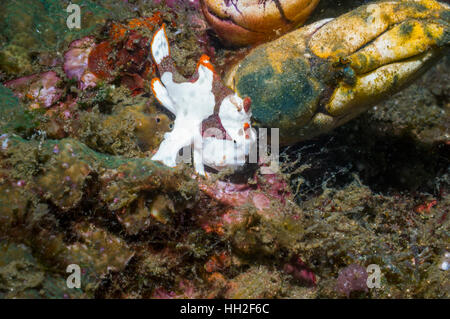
77, 185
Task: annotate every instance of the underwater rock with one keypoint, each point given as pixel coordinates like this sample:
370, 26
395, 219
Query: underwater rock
68, 164
97, 252
39, 90
13, 206
260, 194
180, 3
129, 130
185, 290
352, 278
218, 262
58, 121
258, 218
14, 117
148, 212
40, 26
76, 62
125, 53
14, 59
161, 265
258, 282
64, 176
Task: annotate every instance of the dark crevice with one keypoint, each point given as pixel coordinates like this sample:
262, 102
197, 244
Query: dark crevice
387, 164
281, 10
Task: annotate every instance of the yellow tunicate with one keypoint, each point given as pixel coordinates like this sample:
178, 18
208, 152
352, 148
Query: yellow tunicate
373, 86
353, 30
401, 42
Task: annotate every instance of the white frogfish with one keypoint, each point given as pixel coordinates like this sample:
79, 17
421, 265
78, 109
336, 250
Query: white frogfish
209, 116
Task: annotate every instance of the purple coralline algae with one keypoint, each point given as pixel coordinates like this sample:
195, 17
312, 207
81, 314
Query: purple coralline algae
352, 278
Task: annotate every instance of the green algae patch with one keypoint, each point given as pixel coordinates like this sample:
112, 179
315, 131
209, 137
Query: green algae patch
284, 93
13, 116
62, 168
22, 276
